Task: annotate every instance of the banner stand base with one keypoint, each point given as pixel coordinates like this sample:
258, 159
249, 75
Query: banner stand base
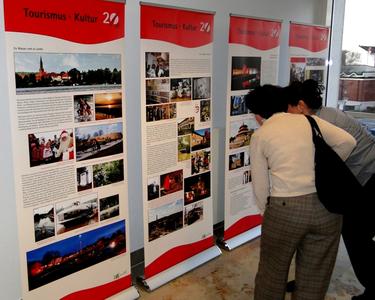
183, 267
241, 239
130, 293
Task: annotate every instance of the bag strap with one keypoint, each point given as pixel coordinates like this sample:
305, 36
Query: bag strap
315, 128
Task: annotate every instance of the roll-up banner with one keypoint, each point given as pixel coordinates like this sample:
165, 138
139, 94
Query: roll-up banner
66, 92
308, 52
176, 98
253, 60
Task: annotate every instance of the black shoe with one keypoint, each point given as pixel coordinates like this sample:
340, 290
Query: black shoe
365, 296
291, 286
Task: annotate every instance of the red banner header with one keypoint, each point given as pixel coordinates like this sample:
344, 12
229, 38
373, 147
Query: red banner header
84, 21
181, 27
259, 34
309, 37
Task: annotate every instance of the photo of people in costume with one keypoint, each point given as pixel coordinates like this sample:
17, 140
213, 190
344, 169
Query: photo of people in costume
51, 147
157, 64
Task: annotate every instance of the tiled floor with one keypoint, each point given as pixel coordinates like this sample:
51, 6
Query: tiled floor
231, 277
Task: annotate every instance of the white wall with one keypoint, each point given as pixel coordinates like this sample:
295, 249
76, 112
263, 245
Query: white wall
9, 262
306, 11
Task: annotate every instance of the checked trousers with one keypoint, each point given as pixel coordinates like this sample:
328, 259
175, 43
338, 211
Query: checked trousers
300, 225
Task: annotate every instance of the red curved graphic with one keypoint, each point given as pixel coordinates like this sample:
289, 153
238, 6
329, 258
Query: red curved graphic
101, 292
309, 37
259, 34
84, 21
177, 255
181, 27
242, 225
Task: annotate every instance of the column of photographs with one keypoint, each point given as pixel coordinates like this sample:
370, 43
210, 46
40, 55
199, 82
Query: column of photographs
90, 86
245, 76
175, 198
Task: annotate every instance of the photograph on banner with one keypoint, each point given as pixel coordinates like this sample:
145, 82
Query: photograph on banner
297, 69
246, 177
153, 188
245, 73
98, 141
238, 105
51, 147
184, 147
205, 111
201, 139
165, 219
44, 222
83, 108
109, 207
54, 261
180, 89
108, 106
171, 182
236, 161
157, 91
84, 178
161, 112
193, 213
43, 72
185, 126
75, 213
197, 187
200, 161
157, 64
108, 173
241, 132
303, 68
201, 88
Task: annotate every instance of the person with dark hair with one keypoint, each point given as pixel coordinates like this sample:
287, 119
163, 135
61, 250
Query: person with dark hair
359, 227
294, 220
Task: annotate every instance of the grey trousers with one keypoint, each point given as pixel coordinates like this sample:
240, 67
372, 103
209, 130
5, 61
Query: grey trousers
303, 226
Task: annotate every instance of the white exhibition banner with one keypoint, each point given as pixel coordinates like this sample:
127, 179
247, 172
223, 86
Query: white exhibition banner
66, 92
308, 52
176, 90
253, 60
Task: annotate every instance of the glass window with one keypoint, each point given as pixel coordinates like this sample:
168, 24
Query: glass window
357, 76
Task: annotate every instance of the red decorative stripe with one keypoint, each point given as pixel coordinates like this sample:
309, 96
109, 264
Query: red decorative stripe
101, 292
298, 59
309, 37
242, 225
84, 21
181, 27
259, 34
177, 255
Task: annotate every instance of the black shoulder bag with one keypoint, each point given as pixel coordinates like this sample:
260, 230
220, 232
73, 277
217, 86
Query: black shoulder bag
336, 185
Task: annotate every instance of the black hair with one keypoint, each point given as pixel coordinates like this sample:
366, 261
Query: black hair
310, 91
266, 100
